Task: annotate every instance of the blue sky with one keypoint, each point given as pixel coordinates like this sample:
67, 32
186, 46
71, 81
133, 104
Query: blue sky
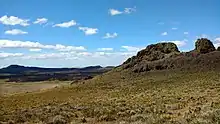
78, 33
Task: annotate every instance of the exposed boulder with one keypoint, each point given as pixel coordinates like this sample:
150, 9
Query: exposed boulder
161, 47
218, 49
157, 51
204, 45
152, 53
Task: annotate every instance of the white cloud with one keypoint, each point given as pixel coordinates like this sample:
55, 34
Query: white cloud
164, 33
35, 50
84, 54
105, 49
108, 35
178, 42
7, 55
217, 42
66, 24
186, 33
49, 56
75, 59
40, 21
203, 36
89, 31
12, 20
37, 45
131, 48
48, 24
129, 10
174, 28
73, 55
60, 47
217, 39
15, 32
114, 12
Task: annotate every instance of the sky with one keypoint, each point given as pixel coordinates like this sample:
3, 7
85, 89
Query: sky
79, 33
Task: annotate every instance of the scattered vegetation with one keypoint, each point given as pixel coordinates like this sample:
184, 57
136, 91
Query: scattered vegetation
155, 97
169, 87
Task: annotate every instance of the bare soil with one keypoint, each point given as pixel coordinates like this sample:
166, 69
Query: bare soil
15, 88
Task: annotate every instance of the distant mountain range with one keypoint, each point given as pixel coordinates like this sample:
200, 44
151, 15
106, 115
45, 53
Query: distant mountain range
21, 73
18, 69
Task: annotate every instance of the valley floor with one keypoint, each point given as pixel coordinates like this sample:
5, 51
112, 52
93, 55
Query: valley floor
8, 88
122, 97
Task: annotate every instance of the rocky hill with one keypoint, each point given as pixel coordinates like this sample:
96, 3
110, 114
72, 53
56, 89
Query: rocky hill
163, 56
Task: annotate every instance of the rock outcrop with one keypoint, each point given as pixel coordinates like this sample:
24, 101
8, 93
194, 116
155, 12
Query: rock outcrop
163, 56
152, 53
204, 45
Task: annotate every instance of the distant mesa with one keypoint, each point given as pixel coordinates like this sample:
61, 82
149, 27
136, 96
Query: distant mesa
164, 56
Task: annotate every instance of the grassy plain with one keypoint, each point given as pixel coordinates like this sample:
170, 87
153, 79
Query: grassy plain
122, 97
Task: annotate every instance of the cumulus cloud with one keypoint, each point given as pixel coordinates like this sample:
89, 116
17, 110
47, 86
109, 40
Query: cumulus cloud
179, 43
129, 10
50, 56
89, 31
114, 12
72, 55
66, 24
217, 42
15, 32
105, 49
13, 20
164, 33
35, 50
131, 48
37, 45
108, 35
40, 21
75, 58
7, 55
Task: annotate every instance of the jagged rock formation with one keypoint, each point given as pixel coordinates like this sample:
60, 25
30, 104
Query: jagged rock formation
204, 45
167, 56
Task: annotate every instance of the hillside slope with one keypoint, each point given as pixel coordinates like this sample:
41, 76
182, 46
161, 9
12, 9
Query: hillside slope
122, 95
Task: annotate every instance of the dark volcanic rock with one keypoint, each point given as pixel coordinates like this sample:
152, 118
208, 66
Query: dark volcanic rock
163, 56
204, 45
154, 52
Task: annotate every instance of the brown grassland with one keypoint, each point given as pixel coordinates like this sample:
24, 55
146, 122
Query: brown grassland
122, 97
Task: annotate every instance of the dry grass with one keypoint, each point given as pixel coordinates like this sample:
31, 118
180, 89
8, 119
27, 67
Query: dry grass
8, 88
122, 97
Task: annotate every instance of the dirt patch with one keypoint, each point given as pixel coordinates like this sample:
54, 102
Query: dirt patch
12, 88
